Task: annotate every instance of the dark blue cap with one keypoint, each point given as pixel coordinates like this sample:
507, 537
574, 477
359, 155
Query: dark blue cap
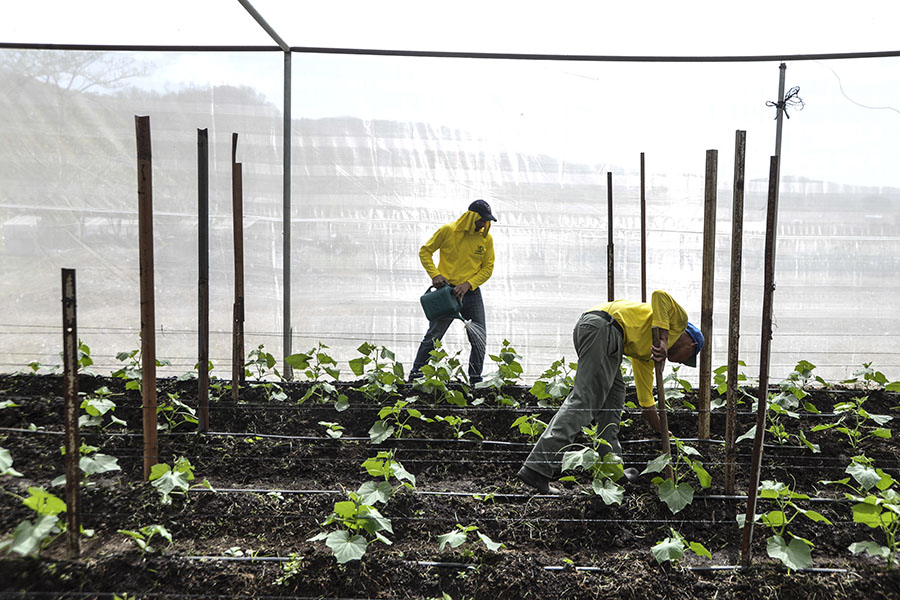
483, 209
695, 334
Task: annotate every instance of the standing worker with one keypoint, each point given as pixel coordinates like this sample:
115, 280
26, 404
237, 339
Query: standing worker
466, 262
602, 335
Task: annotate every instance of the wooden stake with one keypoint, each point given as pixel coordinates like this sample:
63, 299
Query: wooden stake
203, 279
708, 286
70, 415
237, 356
643, 236
610, 254
661, 408
734, 315
148, 315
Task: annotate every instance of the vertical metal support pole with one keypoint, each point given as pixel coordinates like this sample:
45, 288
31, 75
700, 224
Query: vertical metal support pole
734, 314
70, 416
203, 280
643, 235
237, 355
610, 253
661, 408
764, 352
148, 315
287, 370
707, 292
779, 119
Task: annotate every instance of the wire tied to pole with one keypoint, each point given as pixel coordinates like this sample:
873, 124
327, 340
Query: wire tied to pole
791, 99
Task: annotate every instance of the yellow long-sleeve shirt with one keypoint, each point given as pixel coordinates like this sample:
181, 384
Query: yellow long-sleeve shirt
465, 254
637, 320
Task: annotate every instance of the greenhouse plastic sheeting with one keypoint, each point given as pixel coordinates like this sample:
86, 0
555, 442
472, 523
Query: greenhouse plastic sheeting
386, 149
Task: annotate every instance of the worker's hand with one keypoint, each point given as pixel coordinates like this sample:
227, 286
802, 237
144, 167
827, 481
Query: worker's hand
661, 352
460, 290
439, 281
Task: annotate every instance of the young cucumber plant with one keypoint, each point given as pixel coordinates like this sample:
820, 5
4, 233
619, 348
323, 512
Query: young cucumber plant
437, 375
381, 373
30, 537
315, 364
358, 524
676, 388
457, 424
460, 536
672, 548
261, 364
796, 553
393, 420
172, 413
554, 384
142, 537
383, 466
605, 467
509, 371
530, 425
857, 423
720, 381
132, 370
877, 505
96, 407
90, 462
780, 407
175, 479
871, 378
675, 491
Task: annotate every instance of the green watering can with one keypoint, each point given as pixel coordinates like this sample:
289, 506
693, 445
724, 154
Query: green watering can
440, 303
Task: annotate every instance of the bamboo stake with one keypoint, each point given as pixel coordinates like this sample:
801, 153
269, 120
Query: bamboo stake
610, 254
765, 346
70, 414
203, 280
237, 355
148, 316
661, 409
708, 289
734, 316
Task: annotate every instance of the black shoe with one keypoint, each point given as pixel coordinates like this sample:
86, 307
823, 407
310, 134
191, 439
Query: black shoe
632, 474
540, 482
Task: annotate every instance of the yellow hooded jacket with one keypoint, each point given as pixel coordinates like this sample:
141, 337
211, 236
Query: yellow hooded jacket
466, 254
637, 320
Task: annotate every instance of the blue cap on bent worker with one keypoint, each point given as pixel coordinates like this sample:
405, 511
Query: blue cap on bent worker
695, 334
483, 209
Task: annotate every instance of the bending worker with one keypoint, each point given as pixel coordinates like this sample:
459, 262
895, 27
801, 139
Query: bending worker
602, 335
466, 263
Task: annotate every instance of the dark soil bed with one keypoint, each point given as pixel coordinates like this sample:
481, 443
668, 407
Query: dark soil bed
276, 476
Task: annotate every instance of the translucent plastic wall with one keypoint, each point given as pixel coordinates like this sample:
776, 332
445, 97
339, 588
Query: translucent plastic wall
386, 149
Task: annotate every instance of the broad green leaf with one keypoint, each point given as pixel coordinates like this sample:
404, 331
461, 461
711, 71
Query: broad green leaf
882, 433
751, 433
794, 556
815, 516
670, 549
491, 544
345, 547
375, 491
358, 365
609, 491
676, 497
774, 518
28, 536
870, 548
380, 431
455, 539
169, 482
700, 550
6, 462
345, 509
584, 458
43, 502
158, 470
98, 463
702, 474
373, 521
864, 475
402, 474
867, 513
658, 464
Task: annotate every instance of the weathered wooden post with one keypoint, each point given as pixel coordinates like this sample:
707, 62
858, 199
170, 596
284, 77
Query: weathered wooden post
237, 198
203, 279
70, 414
708, 288
610, 254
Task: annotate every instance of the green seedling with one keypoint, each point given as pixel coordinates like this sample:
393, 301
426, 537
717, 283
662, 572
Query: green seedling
508, 373
775, 425
315, 364
290, 569
604, 466
381, 373
237, 551
720, 380
675, 388
6, 464
437, 375
30, 537
460, 535
457, 424
393, 421
385, 467
672, 548
675, 491
36, 367
95, 407
132, 370
530, 425
175, 479
553, 386
90, 462
261, 364
332, 430
796, 553
857, 423
172, 413
877, 505
142, 537
358, 525
792, 392
871, 377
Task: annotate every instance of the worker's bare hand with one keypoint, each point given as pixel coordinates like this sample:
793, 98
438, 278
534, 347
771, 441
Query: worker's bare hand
660, 353
439, 281
460, 290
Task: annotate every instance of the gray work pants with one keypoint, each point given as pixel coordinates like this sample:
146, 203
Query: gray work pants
598, 395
